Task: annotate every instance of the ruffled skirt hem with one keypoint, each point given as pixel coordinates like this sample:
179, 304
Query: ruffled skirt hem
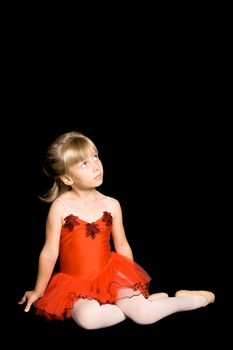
122, 278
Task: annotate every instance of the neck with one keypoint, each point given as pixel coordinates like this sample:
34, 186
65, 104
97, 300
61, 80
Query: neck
84, 195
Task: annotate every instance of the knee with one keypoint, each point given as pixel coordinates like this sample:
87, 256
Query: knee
85, 319
141, 316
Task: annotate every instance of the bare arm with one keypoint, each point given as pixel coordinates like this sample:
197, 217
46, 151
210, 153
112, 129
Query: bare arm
120, 242
48, 256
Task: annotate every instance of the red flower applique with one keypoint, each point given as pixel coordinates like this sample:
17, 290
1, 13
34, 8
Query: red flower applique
92, 229
70, 222
107, 218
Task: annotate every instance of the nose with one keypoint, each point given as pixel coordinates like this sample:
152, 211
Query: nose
96, 166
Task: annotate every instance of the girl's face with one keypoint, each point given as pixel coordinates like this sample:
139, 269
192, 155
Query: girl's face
87, 173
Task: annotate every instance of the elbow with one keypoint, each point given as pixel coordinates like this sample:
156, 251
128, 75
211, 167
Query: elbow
125, 250
49, 255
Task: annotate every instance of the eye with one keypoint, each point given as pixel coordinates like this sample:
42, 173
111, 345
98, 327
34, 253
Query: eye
84, 164
96, 157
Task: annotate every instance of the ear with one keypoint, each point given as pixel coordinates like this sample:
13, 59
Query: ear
66, 179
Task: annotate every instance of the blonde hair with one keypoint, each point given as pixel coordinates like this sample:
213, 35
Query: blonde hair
66, 151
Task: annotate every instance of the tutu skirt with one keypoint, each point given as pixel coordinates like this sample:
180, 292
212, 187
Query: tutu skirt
120, 278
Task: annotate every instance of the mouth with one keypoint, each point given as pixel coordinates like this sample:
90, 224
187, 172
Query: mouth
98, 177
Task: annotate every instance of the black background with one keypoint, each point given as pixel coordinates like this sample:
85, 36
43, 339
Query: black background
154, 103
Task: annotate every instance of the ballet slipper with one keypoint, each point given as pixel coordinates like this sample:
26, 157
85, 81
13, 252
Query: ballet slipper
209, 296
157, 296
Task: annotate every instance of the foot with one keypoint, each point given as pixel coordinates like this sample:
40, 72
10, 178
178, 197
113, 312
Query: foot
158, 296
209, 296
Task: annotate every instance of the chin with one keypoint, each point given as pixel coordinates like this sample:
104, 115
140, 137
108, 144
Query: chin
99, 182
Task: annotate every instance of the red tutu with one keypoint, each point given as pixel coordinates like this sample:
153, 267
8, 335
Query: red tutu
113, 283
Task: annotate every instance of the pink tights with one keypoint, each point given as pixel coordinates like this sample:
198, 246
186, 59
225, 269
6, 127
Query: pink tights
89, 314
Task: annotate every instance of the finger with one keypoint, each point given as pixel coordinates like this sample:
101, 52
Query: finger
22, 300
28, 306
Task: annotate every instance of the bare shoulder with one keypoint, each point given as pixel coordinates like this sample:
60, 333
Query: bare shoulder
56, 206
56, 210
114, 206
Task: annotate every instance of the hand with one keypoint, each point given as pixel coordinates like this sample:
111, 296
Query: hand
30, 296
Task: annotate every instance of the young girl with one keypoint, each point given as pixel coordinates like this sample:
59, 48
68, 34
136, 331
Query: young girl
95, 286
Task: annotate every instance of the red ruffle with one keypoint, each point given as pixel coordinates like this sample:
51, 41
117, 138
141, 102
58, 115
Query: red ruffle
111, 284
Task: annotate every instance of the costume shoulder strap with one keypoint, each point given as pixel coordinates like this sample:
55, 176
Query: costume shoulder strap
63, 204
107, 204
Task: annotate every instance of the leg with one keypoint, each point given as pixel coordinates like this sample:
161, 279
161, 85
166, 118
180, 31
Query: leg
143, 311
155, 296
89, 314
